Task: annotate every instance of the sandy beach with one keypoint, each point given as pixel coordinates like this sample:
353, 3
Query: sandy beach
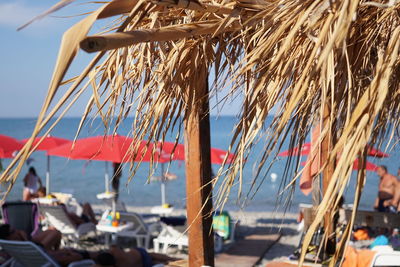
250, 222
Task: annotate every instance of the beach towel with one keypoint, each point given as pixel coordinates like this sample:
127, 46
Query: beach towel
380, 240
313, 163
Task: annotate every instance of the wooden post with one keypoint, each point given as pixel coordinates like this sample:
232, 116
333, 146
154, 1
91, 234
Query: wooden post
316, 191
198, 176
326, 147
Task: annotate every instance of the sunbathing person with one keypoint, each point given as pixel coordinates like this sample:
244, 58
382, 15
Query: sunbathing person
115, 256
387, 190
137, 257
86, 216
49, 239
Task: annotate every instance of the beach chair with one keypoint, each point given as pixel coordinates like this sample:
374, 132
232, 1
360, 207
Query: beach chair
26, 253
176, 236
171, 236
58, 218
119, 206
141, 231
374, 218
107, 198
387, 258
21, 216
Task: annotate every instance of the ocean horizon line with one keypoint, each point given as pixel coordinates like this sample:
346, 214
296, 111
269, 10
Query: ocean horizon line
78, 117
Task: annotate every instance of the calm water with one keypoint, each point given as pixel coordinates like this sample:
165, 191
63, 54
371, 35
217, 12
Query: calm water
86, 179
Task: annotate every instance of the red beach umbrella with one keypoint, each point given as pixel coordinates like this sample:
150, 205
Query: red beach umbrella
306, 149
8, 145
177, 151
373, 152
369, 166
114, 148
49, 142
103, 148
170, 150
218, 156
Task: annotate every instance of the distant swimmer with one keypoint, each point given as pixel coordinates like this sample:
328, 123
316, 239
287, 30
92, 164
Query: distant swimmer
388, 186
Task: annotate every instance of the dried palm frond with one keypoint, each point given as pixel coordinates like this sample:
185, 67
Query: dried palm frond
329, 62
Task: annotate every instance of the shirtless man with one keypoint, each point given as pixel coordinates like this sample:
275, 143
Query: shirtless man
387, 190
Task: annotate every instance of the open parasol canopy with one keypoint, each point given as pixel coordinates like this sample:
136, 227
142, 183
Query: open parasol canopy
373, 152
369, 166
49, 142
115, 148
167, 151
177, 152
306, 150
8, 146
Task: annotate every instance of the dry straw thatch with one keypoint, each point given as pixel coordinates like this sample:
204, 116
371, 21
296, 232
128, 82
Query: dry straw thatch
332, 58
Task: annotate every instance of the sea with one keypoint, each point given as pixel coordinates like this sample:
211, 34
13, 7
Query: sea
85, 179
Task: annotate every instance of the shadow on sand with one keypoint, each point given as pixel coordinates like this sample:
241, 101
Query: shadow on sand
243, 231
277, 221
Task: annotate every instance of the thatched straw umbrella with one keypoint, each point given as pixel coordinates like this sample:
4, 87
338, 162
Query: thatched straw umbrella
329, 62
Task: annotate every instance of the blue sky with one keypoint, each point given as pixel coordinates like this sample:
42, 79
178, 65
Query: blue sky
27, 57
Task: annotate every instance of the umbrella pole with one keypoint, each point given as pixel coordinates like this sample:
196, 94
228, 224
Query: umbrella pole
106, 178
163, 200
114, 205
198, 174
48, 176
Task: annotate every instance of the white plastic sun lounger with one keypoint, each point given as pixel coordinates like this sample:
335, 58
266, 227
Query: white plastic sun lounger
177, 236
170, 236
386, 259
26, 253
57, 217
141, 231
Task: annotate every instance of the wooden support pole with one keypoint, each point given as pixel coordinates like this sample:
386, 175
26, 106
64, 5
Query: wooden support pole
326, 148
198, 176
96, 43
316, 191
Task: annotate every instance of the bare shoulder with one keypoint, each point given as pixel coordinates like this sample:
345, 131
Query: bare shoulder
393, 178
